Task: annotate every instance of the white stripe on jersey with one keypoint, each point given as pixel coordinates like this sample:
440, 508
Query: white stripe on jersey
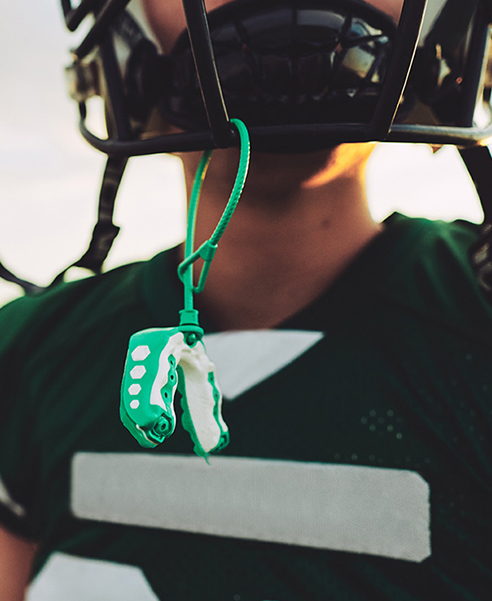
349, 508
244, 359
69, 578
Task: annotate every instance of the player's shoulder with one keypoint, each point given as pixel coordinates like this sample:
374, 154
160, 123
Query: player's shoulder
437, 246
68, 307
458, 234
432, 270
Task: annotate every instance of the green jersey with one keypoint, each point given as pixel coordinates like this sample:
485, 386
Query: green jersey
359, 462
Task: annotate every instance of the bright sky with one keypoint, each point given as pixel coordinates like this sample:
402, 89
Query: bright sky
49, 177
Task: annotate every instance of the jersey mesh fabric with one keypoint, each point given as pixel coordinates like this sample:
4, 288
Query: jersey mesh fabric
401, 380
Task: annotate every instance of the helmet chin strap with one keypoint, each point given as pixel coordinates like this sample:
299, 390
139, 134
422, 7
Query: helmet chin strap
103, 234
105, 231
163, 360
477, 161
8, 276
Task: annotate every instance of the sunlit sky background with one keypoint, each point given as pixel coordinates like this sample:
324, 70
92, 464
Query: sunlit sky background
49, 177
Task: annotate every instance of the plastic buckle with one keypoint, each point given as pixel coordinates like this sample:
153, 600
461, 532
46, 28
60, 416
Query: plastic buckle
206, 252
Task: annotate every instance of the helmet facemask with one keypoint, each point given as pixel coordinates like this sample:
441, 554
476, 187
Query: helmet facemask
302, 75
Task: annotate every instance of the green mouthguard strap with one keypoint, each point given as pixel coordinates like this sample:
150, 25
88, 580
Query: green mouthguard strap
189, 316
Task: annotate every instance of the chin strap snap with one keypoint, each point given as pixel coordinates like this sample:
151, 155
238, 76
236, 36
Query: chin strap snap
161, 361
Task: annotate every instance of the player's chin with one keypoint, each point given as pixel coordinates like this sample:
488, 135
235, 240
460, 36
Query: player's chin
310, 161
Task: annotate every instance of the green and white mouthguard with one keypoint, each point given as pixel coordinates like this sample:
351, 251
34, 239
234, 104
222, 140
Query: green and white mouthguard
161, 361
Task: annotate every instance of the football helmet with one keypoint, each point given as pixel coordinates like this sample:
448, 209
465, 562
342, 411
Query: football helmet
302, 74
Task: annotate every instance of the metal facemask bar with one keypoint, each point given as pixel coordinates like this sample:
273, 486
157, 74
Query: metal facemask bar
268, 138
298, 137
447, 31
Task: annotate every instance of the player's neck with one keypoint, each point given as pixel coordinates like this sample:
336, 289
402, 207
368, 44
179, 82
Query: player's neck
279, 254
